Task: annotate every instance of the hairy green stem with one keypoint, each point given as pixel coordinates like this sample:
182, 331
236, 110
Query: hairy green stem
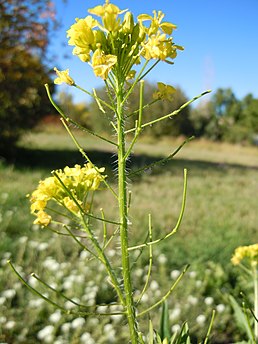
123, 219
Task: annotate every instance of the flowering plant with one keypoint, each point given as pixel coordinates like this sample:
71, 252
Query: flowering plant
122, 52
246, 257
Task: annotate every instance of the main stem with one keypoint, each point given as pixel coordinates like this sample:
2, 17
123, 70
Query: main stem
122, 200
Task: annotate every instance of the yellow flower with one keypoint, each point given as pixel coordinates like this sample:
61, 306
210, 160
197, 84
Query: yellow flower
38, 205
107, 8
81, 33
63, 76
245, 252
42, 218
108, 12
77, 180
164, 92
159, 47
102, 64
156, 23
71, 205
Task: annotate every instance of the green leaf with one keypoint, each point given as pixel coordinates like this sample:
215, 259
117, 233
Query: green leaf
164, 322
241, 318
183, 337
151, 338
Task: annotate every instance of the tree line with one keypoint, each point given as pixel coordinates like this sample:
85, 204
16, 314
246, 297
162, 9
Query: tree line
223, 117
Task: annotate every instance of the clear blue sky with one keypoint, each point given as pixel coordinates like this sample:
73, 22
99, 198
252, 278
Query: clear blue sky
220, 38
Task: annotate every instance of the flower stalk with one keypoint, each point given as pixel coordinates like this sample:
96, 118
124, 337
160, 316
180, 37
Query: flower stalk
123, 219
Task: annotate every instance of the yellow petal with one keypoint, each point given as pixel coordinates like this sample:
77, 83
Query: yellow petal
167, 27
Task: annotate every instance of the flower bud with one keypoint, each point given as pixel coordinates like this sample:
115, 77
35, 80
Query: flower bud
128, 23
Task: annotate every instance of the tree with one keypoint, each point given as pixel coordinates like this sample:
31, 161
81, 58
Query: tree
79, 112
25, 26
224, 112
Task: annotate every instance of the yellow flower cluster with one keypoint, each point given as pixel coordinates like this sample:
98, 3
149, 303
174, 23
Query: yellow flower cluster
68, 187
119, 41
249, 252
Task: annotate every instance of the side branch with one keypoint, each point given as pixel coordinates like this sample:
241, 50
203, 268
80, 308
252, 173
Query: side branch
161, 161
70, 120
174, 230
174, 113
166, 295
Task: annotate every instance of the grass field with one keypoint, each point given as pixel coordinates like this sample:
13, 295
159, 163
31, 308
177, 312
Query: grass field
221, 209
222, 198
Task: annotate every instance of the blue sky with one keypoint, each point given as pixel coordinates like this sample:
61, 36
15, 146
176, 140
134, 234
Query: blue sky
220, 40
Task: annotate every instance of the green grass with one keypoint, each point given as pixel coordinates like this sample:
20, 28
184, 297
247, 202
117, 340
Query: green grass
221, 210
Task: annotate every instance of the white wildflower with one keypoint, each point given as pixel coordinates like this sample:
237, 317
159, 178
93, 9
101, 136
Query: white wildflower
35, 303
111, 253
9, 325
78, 322
35, 227
2, 300
174, 314
33, 243
84, 255
175, 328
154, 285
162, 259
201, 319
208, 300
2, 320
70, 305
66, 327
23, 239
55, 317
86, 338
46, 332
138, 272
174, 274
220, 308
51, 264
192, 300
107, 328
198, 283
42, 246
33, 281
192, 274
102, 309
9, 293
145, 298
